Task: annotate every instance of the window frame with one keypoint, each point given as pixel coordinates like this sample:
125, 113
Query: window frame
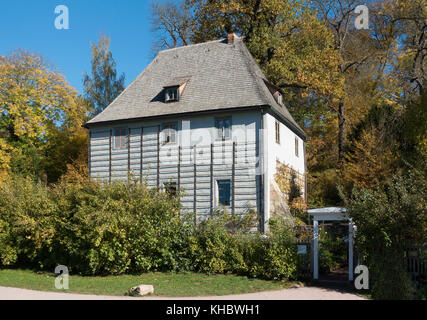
222, 129
168, 90
124, 139
218, 197
277, 132
296, 147
165, 127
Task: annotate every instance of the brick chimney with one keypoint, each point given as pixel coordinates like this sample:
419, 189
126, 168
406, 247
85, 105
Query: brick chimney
231, 37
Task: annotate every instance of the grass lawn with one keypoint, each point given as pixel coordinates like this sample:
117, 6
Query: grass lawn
165, 284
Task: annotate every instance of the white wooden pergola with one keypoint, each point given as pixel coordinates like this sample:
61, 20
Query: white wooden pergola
331, 214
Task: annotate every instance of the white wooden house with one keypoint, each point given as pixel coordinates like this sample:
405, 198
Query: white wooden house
204, 119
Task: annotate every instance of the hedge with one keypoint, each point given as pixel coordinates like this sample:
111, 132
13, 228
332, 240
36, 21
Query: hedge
389, 218
126, 227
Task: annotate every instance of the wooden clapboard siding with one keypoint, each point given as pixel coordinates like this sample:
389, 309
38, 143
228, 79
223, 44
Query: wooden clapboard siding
195, 168
241, 171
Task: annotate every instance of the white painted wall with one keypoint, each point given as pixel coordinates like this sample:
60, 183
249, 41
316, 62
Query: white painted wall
285, 151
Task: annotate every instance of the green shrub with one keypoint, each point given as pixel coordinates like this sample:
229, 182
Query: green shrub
118, 228
389, 218
217, 245
211, 245
274, 256
26, 222
217, 250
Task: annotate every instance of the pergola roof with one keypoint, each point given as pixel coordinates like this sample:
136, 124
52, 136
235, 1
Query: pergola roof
329, 213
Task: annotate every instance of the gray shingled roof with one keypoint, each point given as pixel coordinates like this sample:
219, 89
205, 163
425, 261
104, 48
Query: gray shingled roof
220, 76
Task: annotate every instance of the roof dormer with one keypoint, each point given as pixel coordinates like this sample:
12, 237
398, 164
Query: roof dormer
174, 89
275, 91
172, 94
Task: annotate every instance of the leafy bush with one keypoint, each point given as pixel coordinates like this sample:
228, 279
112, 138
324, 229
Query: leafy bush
27, 226
388, 219
210, 246
118, 228
217, 250
218, 242
273, 257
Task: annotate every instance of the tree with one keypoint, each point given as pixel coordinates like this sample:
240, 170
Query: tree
102, 86
67, 147
407, 21
371, 162
364, 55
413, 135
4, 159
389, 139
35, 104
172, 24
293, 48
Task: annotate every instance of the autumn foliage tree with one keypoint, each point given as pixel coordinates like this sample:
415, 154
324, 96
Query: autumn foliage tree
39, 113
294, 49
371, 162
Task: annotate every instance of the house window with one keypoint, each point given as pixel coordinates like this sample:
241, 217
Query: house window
169, 133
278, 132
120, 138
170, 188
224, 192
171, 94
223, 126
296, 146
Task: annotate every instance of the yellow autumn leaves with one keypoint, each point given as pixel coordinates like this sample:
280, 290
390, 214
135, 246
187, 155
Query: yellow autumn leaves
34, 102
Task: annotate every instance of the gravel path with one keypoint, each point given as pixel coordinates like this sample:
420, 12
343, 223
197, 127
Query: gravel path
302, 293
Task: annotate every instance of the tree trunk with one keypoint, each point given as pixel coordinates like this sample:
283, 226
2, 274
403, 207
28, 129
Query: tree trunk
341, 120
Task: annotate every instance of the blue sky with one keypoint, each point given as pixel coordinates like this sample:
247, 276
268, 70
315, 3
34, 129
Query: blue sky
29, 24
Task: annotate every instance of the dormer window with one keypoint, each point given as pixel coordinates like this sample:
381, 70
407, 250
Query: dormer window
175, 88
172, 94
275, 91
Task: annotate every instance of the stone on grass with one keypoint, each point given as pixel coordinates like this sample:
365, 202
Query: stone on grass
142, 290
